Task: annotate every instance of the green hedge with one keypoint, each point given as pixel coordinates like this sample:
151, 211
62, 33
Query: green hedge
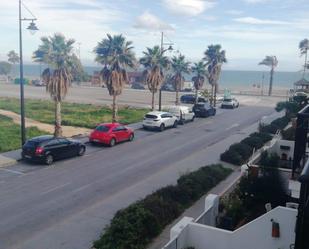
239, 153
135, 226
277, 124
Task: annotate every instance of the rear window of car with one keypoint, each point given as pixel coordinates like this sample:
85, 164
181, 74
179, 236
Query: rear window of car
151, 116
31, 144
200, 104
103, 128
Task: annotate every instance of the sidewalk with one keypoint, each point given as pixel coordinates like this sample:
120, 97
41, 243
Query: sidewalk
11, 157
197, 208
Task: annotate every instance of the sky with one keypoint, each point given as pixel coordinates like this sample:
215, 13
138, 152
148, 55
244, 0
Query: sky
247, 29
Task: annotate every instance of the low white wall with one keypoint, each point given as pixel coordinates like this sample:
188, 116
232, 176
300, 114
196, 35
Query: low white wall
254, 235
276, 148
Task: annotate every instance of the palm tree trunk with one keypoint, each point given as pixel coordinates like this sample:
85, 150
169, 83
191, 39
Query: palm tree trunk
271, 81
196, 93
215, 94
114, 118
177, 96
153, 101
58, 128
212, 94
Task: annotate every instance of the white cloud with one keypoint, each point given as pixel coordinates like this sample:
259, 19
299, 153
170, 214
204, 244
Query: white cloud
188, 7
234, 12
148, 21
257, 21
255, 1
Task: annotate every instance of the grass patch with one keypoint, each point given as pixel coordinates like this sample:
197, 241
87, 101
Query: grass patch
135, 226
73, 114
10, 134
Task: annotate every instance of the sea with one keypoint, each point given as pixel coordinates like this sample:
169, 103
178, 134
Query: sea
228, 79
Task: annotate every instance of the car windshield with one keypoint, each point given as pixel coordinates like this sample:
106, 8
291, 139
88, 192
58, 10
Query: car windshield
150, 116
103, 128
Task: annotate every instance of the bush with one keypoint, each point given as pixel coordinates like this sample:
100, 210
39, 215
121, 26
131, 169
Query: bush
289, 134
253, 142
239, 153
135, 226
262, 135
277, 124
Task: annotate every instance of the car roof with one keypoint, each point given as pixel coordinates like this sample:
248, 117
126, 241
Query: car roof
41, 138
109, 124
156, 113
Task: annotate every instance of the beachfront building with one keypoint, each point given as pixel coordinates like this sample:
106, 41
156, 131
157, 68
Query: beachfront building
284, 227
302, 85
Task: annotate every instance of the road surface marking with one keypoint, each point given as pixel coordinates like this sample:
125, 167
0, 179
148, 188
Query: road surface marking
13, 171
55, 188
82, 188
232, 126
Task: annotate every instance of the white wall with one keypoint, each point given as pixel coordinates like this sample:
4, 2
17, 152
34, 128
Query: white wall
276, 148
254, 235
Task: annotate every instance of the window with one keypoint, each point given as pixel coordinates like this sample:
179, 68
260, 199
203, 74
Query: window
52, 142
119, 128
102, 128
62, 141
151, 116
284, 147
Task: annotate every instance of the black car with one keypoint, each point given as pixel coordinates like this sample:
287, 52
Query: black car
138, 86
203, 110
190, 99
48, 148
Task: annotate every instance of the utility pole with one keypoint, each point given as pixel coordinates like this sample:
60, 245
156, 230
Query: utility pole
160, 91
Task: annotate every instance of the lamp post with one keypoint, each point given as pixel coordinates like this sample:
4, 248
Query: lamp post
170, 48
32, 28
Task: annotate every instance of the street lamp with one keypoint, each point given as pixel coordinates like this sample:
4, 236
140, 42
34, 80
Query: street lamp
170, 48
32, 28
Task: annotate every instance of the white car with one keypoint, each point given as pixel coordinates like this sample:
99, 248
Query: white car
229, 103
159, 120
183, 113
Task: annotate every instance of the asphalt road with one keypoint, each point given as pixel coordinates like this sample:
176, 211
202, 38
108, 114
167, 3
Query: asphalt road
131, 97
65, 206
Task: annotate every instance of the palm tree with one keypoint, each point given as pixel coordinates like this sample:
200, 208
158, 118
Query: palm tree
179, 67
57, 52
199, 69
115, 54
272, 62
154, 62
304, 47
214, 58
13, 58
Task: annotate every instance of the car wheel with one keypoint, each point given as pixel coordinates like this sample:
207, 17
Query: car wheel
49, 159
162, 127
81, 151
175, 124
131, 137
192, 119
145, 127
112, 142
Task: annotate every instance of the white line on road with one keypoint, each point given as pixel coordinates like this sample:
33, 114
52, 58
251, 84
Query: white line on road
232, 126
55, 188
13, 171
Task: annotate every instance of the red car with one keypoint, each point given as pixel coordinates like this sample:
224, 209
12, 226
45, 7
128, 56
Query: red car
111, 134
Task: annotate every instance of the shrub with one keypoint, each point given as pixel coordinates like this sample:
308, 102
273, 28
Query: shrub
262, 135
231, 156
135, 226
289, 134
277, 124
244, 150
253, 142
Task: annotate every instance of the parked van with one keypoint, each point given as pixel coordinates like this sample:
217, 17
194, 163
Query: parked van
183, 113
